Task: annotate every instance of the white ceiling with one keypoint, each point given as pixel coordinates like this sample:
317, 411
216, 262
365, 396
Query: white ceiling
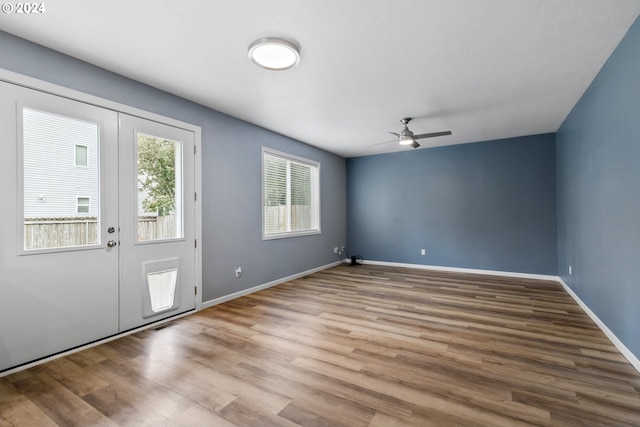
484, 69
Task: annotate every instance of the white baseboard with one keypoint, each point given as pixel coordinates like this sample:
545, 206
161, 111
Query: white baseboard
465, 270
244, 292
612, 337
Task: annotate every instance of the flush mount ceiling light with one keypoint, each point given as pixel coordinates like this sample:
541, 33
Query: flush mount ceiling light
274, 54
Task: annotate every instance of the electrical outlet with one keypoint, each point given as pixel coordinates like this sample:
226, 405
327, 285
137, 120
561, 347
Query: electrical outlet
238, 271
335, 250
423, 252
570, 270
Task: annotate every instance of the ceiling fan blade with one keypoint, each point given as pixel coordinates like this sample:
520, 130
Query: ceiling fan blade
382, 143
415, 144
396, 134
431, 135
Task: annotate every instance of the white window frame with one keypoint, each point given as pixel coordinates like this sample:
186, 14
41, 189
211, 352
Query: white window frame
179, 166
88, 205
75, 156
57, 107
315, 195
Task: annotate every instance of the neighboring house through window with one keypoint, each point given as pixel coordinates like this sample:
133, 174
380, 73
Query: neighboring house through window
60, 179
61, 158
290, 195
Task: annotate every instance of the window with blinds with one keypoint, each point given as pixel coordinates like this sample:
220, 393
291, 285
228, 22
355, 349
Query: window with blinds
290, 195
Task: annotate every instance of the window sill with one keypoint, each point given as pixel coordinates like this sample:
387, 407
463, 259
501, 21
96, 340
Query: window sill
288, 234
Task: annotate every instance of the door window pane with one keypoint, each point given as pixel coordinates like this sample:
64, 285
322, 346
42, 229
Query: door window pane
54, 216
159, 209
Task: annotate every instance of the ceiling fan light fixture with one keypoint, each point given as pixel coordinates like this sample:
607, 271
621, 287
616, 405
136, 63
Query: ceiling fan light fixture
405, 140
273, 53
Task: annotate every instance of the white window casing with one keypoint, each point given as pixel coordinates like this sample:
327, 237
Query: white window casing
83, 205
290, 195
81, 156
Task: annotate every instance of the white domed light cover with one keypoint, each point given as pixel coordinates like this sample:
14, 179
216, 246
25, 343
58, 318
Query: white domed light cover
274, 54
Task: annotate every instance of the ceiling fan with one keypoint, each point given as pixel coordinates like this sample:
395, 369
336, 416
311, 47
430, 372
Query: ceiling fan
406, 137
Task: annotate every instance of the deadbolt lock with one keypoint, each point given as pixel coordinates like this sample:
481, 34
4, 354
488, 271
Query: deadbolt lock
111, 230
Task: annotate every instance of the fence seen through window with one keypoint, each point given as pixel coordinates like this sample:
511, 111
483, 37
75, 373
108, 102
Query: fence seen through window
290, 195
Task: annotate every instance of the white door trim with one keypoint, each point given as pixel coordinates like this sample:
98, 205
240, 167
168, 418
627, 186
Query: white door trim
65, 92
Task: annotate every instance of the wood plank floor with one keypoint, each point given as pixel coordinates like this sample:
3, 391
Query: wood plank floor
349, 346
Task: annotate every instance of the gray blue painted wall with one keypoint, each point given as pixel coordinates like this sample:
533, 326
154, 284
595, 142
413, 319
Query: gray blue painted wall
488, 205
231, 177
598, 157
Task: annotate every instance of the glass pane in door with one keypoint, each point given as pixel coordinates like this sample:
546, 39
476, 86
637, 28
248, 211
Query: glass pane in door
61, 181
159, 171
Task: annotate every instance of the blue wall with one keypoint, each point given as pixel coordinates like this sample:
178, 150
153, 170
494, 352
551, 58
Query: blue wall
598, 156
488, 205
231, 177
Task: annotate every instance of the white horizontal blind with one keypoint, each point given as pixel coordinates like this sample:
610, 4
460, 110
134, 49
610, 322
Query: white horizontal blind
300, 196
290, 195
274, 180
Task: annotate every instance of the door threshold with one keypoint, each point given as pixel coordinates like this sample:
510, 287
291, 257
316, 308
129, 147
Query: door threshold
158, 325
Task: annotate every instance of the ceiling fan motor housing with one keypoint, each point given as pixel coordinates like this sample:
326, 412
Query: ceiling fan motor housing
406, 132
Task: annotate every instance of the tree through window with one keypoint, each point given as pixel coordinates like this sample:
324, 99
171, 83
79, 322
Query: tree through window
159, 185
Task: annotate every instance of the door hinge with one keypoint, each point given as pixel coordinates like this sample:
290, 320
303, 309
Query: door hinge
195, 197
195, 290
195, 243
195, 149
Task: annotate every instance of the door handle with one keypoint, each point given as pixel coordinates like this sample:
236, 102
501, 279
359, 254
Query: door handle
112, 243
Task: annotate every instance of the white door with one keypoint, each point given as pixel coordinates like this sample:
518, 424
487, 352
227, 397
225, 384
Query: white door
90, 244
157, 217
58, 275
